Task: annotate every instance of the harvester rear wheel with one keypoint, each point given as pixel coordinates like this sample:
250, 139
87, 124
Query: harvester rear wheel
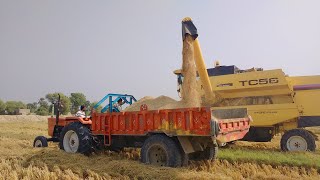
40, 141
298, 140
76, 138
160, 150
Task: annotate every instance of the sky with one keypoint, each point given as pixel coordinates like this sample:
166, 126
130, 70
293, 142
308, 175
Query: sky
132, 47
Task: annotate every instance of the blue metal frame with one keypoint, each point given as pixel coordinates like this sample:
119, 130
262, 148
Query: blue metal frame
116, 97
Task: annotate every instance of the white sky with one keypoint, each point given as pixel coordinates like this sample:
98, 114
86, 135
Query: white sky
122, 46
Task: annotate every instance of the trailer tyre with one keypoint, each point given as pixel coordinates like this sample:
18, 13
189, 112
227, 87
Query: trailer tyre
160, 150
210, 153
184, 158
40, 141
76, 138
298, 140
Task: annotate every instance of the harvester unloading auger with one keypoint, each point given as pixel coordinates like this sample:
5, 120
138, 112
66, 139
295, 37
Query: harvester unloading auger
189, 29
167, 137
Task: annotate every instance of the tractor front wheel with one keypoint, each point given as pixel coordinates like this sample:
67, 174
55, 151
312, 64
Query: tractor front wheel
297, 140
76, 138
40, 141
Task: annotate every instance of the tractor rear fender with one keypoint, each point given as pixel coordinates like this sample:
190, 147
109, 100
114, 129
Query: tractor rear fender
84, 121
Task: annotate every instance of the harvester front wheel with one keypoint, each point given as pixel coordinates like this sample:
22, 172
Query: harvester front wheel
160, 150
76, 138
40, 141
297, 140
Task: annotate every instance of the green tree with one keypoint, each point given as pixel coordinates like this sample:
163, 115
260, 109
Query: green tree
97, 109
43, 103
32, 106
77, 99
2, 107
43, 109
13, 106
65, 101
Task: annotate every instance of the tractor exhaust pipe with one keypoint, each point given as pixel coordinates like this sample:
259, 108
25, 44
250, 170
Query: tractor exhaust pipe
57, 106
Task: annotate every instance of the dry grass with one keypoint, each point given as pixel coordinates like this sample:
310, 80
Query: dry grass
18, 160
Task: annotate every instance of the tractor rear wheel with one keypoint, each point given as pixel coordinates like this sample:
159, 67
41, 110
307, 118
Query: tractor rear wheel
40, 141
298, 140
76, 138
160, 150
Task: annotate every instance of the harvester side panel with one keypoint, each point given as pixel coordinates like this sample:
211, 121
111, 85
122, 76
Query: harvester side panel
261, 83
269, 114
308, 101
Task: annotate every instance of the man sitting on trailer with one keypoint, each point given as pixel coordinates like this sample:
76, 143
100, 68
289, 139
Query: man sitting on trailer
119, 104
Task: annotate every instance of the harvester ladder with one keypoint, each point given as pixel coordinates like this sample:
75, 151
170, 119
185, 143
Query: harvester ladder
107, 132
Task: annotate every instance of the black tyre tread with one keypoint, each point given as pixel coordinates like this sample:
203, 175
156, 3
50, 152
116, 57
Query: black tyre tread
84, 135
42, 139
184, 159
210, 153
169, 145
298, 132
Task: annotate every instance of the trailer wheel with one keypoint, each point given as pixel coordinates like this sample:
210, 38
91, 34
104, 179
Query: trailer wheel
76, 137
160, 150
40, 141
210, 153
298, 140
184, 159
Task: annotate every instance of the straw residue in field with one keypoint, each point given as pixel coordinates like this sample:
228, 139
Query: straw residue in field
11, 118
18, 160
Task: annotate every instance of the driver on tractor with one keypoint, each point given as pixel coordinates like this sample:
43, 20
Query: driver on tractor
82, 112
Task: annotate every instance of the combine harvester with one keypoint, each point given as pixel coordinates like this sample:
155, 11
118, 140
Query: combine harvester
167, 137
277, 103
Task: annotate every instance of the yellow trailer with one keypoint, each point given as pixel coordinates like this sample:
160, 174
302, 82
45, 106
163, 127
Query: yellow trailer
276, 102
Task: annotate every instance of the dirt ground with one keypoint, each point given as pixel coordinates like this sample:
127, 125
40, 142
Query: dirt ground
18, 160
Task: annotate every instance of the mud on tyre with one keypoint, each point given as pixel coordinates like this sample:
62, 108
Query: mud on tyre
76, 138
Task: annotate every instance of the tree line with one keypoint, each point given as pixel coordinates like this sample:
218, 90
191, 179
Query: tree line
45, 104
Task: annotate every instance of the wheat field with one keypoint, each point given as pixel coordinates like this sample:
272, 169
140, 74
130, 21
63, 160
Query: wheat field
19, 160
